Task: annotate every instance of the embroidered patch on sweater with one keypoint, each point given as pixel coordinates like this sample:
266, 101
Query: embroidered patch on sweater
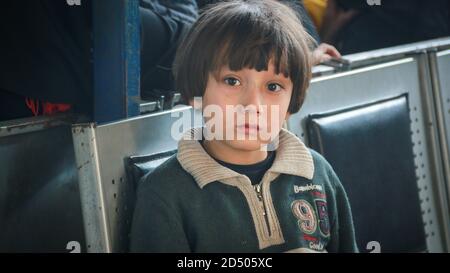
322, 213
305, 215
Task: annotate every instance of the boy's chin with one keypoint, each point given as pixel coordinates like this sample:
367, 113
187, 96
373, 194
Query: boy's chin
247, 144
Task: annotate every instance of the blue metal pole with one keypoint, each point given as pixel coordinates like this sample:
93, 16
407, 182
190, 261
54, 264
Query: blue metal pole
116, 36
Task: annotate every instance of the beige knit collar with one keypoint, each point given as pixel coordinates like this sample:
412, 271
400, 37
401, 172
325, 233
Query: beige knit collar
292, 157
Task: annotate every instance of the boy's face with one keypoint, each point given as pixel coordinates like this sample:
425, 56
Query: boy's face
253, 106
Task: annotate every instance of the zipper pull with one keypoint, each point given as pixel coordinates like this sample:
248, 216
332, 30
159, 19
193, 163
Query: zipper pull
258, 191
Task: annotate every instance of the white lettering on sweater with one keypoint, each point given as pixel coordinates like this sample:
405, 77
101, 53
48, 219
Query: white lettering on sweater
309, 187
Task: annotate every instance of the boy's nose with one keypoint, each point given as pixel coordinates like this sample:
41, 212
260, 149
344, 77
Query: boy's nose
252, 97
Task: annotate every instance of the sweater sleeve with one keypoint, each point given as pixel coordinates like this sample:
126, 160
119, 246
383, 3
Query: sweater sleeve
156, 227
342, 229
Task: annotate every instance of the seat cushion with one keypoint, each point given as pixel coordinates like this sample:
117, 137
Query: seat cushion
370, 149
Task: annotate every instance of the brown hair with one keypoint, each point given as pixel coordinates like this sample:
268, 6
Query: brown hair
244, 34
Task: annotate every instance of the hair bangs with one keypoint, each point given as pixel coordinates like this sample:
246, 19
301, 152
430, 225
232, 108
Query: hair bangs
249, 42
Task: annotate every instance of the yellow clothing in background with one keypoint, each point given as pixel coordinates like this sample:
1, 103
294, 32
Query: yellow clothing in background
316, 10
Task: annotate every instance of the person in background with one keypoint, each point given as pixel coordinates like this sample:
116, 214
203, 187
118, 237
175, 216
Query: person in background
355, 26
163, 25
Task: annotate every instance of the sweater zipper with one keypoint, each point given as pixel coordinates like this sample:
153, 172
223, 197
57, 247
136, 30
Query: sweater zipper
258, 188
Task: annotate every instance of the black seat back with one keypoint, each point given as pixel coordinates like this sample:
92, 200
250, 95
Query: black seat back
136, 167
370, 149
40, 207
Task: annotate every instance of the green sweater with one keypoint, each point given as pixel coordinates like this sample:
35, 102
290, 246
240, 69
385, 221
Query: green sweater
191, 203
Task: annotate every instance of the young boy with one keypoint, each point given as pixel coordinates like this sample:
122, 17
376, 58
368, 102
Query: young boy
228, 192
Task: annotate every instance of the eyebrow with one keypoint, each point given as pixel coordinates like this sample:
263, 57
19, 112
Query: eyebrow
277, 77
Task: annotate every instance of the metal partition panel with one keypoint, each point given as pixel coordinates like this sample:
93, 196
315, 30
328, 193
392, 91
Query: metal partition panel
371, 84
440, 69
443, 68
100, 153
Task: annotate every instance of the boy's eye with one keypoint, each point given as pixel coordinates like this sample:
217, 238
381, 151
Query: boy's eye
274, 87
232, 81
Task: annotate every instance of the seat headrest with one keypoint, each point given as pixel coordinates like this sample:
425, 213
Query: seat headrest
140, 165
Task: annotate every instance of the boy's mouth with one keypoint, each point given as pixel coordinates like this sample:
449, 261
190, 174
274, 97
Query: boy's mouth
249, 127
